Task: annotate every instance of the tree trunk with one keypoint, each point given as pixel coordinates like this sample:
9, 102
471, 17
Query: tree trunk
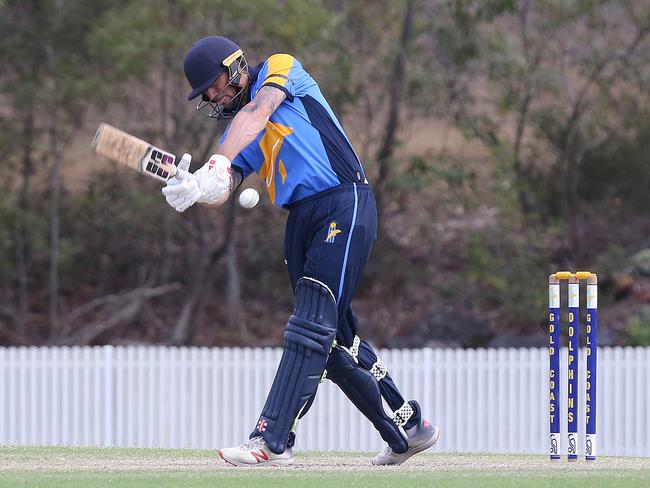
184, 326
235, 314
532, 63
568, 152
395, 94
195, 302
20, 233
55, 197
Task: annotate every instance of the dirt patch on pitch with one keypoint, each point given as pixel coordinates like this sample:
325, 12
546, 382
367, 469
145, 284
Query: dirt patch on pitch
53, 460
469, 462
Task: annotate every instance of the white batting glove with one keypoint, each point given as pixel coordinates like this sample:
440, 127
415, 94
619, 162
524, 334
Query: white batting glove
182, 191
214, 179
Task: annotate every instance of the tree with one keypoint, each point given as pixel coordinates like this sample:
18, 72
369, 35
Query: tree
533, 81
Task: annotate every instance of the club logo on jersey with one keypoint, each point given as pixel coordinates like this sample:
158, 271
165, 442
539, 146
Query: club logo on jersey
332, 232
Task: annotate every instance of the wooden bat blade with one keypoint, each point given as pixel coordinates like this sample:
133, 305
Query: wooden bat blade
123, 148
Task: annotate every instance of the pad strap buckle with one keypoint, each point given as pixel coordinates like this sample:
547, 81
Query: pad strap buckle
379, 370
403, 414
354, 348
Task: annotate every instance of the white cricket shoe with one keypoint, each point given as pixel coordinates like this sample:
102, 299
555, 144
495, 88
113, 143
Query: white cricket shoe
255, 452
420, 437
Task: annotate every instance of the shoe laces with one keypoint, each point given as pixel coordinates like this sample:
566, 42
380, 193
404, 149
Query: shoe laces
252, 444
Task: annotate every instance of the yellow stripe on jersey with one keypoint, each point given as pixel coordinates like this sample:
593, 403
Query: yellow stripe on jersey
279, 66
270, 144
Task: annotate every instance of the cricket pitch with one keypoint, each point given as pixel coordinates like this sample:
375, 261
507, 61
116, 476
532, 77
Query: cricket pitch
117, 467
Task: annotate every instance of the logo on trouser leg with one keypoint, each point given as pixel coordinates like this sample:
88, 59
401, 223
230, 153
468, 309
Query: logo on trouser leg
261, 425
332, 232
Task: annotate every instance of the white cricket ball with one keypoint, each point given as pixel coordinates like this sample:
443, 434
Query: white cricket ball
249, 198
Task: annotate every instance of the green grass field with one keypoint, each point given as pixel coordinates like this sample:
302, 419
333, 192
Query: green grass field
162, 468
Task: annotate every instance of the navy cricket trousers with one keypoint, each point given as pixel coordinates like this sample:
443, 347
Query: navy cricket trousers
329, 237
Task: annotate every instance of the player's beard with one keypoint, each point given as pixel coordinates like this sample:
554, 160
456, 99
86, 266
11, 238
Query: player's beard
241, 99
213, 109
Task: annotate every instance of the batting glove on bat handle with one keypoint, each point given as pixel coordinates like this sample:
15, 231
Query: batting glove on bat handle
182, 190
182, 166
215, 180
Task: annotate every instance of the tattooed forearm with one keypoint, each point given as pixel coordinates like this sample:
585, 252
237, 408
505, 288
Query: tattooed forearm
267, 99
251, 120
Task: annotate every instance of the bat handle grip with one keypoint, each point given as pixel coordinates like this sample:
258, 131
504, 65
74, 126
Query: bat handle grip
183, 164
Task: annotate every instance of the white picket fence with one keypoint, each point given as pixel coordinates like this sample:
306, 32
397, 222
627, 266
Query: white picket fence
485, 400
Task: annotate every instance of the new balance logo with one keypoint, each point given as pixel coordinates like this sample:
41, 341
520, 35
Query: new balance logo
260, 456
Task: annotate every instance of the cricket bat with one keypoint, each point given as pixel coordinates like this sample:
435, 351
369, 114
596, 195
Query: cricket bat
135, 153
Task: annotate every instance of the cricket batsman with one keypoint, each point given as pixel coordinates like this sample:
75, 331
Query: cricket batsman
283, 129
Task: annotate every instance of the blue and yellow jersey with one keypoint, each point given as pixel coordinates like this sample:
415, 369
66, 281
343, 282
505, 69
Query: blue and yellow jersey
303, 149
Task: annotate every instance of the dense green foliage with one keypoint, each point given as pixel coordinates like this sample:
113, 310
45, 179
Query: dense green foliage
514, 143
